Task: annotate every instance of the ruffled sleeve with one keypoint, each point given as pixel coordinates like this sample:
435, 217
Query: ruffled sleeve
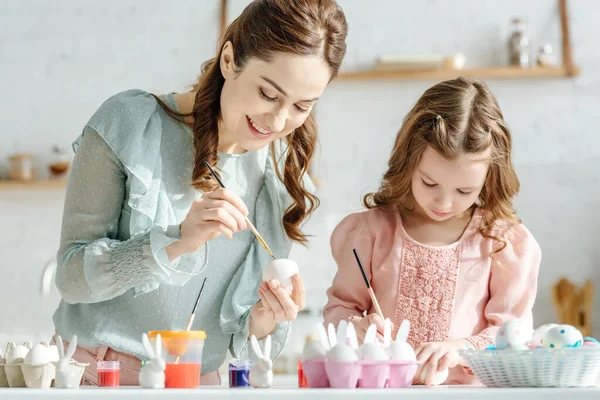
242, 293
118, 163
347, 298
513, 284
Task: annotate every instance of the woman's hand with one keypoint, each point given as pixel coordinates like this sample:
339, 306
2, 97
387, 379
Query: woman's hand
217, 213
362, 324
276, 305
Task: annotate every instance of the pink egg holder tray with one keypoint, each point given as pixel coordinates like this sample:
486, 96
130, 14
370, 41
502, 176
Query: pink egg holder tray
360, 374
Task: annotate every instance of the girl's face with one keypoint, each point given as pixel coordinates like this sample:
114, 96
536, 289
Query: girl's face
445, 188
267, 100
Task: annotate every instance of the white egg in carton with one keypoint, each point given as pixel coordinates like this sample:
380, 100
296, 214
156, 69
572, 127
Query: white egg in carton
336, 360
40, 366
553, 355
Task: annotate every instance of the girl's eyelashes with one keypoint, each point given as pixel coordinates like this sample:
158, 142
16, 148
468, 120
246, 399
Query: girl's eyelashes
435, 184
428, 184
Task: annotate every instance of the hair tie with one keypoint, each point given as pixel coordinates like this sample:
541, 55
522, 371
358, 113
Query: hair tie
438, 117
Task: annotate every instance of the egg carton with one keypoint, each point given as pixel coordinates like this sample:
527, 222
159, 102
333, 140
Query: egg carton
566, 367
359, 374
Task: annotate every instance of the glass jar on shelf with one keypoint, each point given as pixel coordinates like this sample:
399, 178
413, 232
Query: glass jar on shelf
519, 45
20, 167
59, 163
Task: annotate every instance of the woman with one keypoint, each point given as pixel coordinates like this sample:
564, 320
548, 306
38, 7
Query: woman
144, 222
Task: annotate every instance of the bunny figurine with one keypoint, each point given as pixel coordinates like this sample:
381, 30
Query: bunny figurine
68, 372
261, 374
152, 374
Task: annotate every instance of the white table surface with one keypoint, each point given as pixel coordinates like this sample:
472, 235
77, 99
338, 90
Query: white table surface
286, 386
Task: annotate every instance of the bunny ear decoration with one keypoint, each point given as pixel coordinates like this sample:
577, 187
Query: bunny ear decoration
403, 330
256, 347
60, 346
371, 334
71, 349
148, 346
351, 335
342, 331
387, 332
267, 352
331, 333
323, 336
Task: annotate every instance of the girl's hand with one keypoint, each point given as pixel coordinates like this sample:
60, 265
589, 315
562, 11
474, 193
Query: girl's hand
218, 213
362, 324
437, 357
276, 305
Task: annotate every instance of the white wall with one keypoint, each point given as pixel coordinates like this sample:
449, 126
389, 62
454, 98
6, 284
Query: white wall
60, 60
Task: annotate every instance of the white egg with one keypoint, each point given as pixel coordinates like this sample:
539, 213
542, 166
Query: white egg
514, 332
313, 350
17, 355
372, 351
38, 355
400, 350
562, 336
342, 353
539, 334
438, 377
281, 270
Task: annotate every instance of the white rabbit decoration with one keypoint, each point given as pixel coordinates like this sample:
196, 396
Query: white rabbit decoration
68, 372
152, 374
261, 374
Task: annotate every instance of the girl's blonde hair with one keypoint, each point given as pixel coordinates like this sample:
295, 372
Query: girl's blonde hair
454, 117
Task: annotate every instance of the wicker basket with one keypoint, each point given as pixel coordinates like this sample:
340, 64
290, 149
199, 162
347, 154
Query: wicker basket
569, 367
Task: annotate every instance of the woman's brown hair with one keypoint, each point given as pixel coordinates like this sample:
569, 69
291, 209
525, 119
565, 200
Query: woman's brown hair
265, 27
454, 117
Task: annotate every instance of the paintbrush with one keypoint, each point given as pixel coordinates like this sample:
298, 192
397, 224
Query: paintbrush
191, 320
369, 289
252, 228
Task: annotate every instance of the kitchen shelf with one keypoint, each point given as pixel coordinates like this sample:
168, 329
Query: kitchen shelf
487, 73
32, 185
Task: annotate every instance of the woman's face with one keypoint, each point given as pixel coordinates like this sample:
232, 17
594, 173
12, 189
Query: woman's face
266, 101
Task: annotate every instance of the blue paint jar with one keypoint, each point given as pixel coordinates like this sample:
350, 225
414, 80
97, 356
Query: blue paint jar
239, 373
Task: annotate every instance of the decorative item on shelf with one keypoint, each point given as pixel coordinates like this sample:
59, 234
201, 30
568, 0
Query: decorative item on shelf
399, 62
59, 162
546, 56
21, 167
574, 305
519, 44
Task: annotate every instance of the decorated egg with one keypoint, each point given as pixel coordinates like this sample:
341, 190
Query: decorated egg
515, 332
562, 336
38, 355
372, 351
539, 333
400, 350
313, 350
282, 271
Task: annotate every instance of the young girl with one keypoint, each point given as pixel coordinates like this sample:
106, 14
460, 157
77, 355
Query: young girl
441, 243
144, 221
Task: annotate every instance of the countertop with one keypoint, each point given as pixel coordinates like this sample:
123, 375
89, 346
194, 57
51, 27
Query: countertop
286, 386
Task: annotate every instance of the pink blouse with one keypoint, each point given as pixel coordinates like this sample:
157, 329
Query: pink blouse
446, 292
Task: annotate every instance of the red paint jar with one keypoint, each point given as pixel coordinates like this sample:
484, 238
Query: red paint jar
108, 373
302, 382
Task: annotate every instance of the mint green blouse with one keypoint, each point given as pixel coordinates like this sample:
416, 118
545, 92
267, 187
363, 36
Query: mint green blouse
128, 192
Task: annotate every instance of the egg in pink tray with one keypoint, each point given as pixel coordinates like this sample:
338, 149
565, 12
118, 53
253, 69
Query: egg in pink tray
336, 360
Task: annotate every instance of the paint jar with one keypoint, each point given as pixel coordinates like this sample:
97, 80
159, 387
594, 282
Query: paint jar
108, 373
239, 374
182, 352
302, 382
